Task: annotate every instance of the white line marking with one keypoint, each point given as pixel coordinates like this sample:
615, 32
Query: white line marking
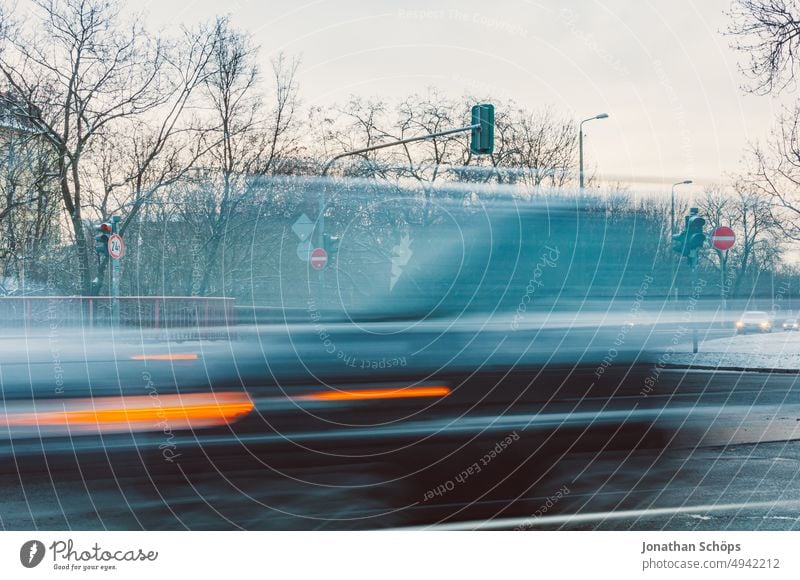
528, 522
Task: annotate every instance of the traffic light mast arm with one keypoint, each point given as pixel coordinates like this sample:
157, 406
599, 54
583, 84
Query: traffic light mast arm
482, 128
332, 160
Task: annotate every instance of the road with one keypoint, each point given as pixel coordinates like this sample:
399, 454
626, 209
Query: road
734, 487
625, 440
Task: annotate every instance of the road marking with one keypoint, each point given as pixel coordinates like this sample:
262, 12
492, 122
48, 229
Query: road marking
528, 522
176, 356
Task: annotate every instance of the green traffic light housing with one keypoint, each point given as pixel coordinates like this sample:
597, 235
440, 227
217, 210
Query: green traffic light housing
695, 237
678, 243
692, 237
103, 232
482, 138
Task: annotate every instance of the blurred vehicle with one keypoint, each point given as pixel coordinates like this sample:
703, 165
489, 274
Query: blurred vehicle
475, 373
753, 321
790, 324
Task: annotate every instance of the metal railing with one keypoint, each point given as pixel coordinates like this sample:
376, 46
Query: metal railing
181, 316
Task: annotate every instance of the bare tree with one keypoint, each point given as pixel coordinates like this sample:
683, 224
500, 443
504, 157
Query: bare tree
28, 205
768, 33
540, 146
28, 216
358, 124
82, 70
428, 115
252, 139
537, 148
758, 241
775, 172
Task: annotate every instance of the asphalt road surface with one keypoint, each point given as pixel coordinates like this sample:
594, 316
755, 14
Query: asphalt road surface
508, 417
727, 456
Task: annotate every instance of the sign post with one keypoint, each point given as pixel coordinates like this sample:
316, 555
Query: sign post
116, 249
723, 238
693, 266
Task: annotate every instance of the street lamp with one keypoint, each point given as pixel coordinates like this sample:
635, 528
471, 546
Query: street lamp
580, 143
672, 213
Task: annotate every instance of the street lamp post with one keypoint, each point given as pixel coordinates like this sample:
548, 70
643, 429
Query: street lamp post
672, 226
580, 143
672, 212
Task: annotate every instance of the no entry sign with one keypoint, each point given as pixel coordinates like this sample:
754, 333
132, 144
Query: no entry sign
723, 238
319, 258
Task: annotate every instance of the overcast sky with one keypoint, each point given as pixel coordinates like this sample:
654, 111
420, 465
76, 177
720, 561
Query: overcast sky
662, 70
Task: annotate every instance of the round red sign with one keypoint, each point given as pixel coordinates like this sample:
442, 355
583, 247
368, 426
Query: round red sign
723, 238
319, 258
116, 247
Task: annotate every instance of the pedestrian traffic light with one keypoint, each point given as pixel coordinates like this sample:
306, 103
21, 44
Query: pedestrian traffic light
103, 232
482, 141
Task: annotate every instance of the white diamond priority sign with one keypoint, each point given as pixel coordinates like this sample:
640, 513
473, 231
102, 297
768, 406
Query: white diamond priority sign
303, 227
319, 258
723, 238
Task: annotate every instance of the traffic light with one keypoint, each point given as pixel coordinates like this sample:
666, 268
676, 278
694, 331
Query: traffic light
678, 243
103, 232
695, 237
692, 237
482, 141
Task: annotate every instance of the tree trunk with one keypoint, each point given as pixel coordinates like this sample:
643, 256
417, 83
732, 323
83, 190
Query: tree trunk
83, 255
210, 265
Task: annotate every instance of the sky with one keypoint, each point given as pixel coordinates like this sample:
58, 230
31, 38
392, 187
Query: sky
662, 70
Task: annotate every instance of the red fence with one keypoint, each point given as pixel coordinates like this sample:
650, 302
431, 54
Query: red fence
186, 316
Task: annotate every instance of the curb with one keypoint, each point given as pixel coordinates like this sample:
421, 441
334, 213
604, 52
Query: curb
737, 369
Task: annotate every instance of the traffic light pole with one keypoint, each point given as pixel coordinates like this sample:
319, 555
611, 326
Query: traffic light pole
688, 244
332, 160
693, 265
115, 271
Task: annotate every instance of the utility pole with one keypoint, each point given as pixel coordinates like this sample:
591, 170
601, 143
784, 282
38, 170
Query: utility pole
672, 225
672, 210
580, 146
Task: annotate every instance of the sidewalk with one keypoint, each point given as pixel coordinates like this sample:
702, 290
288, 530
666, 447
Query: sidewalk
778, 351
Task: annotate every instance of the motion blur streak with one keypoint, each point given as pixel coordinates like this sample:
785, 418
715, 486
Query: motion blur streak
177, 356
139, 413
366, 394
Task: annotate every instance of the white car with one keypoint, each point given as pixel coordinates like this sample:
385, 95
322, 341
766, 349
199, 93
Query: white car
753, 321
